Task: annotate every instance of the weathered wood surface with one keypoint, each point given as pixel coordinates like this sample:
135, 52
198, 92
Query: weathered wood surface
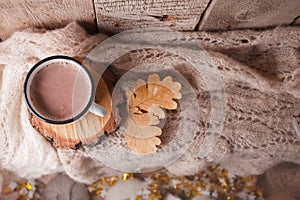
297, 20
115, 15
16, 15
112, 16
233, 14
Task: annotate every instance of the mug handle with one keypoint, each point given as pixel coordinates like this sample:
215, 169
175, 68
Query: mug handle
97, 109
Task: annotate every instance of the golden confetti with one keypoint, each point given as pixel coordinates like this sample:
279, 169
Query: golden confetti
139, 197
259, 192
195, 192
113, 180
214, 181
26, 190
125, 177
97, 192
28, 186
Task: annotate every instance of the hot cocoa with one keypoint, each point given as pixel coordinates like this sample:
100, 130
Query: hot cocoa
60, 90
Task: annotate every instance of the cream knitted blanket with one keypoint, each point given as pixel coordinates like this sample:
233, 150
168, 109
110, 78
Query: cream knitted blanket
23, 150
246, 147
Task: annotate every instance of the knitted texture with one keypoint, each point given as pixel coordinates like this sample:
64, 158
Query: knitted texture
24, 150
260, 72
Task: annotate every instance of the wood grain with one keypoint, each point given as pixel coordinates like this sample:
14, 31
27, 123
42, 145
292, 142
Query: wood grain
114, 16
86, 130
16, 15
232, 14
296, 20
119, 15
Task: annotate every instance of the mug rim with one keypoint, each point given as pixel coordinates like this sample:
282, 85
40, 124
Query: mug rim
74, 118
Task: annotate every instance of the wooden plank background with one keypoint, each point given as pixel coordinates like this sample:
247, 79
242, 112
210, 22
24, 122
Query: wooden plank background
237, 14
16, 15
118, 15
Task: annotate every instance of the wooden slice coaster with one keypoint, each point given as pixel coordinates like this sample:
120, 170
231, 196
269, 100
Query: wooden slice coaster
87, 129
